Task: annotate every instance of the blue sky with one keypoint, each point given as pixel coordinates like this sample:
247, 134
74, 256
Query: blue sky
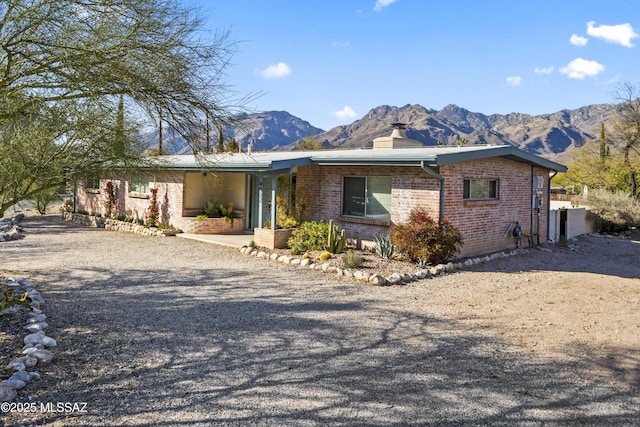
330, 62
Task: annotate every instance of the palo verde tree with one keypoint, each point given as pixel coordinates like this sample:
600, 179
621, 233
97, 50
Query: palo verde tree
70, 68
626, 125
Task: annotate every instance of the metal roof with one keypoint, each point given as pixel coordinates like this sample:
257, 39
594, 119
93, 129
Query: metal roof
281, 160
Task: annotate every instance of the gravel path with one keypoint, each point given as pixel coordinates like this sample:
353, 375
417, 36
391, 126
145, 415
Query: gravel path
171, 332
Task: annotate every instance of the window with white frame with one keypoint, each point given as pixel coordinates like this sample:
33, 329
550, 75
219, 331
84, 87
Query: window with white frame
367, 197
480, 189
139, 183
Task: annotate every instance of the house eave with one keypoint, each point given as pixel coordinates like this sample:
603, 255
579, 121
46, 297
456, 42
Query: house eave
282, 162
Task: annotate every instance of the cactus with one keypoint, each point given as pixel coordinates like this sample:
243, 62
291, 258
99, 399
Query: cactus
336, 239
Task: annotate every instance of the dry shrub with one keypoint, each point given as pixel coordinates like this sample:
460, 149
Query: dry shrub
423, 238
615, 211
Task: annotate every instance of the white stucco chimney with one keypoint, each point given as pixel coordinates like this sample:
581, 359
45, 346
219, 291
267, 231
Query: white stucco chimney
397, 139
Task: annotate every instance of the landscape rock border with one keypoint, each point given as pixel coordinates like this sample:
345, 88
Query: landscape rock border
10, 228
373, 278
116, 225
37, 348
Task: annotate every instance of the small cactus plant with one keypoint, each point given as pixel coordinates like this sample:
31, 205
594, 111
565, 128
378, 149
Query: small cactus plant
336, 239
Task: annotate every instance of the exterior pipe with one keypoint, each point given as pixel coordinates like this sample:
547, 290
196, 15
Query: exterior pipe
441, 179
549, 206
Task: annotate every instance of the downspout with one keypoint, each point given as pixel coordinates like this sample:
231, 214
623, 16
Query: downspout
441, 179
274, 192
549, 205
532, 208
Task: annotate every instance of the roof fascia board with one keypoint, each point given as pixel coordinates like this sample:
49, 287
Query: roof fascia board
502, 151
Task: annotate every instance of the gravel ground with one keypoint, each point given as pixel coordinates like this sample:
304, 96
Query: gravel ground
171, 332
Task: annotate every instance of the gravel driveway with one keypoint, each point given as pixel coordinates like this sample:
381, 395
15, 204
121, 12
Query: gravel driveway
172, 332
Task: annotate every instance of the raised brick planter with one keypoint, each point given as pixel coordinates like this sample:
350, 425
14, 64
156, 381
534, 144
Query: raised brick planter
272, 239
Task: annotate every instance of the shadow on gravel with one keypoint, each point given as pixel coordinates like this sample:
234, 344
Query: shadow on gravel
589, 254
215, 347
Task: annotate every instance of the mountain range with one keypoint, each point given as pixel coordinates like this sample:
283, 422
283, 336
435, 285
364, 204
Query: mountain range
545, 135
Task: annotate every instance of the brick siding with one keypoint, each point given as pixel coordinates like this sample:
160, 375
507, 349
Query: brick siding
482, 223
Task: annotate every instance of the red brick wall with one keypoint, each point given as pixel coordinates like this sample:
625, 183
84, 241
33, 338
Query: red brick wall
482, 223
169, 186
410, 187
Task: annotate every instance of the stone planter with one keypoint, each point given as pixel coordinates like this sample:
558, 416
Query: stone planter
272, 239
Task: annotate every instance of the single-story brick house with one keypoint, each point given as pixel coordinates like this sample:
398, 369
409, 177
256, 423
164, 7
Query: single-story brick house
482, 190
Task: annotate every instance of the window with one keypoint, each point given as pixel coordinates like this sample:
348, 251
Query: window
92, 184
480, 189
367, 197
139, 183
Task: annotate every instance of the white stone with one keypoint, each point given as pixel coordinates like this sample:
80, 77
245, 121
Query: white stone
262, 254
295, 261
421, 274
394, 279
16, 366
34, 327
15, 383
7, 393
284, 259
38, 318
21, 376
305, 262
43, 355
377, 280
29, 361
49, 342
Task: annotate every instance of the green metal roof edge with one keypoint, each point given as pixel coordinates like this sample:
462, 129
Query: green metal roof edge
349, 157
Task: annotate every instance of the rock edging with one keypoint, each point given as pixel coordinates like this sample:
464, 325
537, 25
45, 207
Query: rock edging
37, 348
10, 228
376, 279
116, 225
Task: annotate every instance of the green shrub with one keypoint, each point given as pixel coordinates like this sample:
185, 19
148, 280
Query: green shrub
212, 208
67, 206
384, 247
421, 237
7, 299
309, 236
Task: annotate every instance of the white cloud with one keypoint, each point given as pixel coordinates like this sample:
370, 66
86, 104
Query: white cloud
514, 80
545, 70
341, 44
580, 68
382, 3
621, 34
275, 71
577, 40
346, 113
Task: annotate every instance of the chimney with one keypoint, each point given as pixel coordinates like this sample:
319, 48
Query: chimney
397, 139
